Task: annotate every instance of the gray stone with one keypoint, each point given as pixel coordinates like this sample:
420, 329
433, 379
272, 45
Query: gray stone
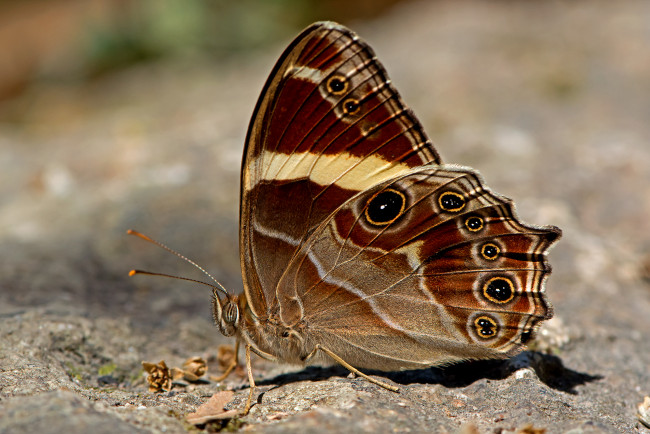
549, 100
59, 411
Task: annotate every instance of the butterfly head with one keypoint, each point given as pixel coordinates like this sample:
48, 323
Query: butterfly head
226, 313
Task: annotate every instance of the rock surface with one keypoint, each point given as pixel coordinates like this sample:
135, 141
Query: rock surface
549, 100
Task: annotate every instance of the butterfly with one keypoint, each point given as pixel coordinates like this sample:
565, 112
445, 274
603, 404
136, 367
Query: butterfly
357, 244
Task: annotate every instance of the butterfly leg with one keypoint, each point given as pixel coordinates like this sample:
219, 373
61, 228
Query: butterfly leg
231, 367
251, 381
351, 368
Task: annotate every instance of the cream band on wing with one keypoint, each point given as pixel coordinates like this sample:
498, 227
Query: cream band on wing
345, 170
312, 75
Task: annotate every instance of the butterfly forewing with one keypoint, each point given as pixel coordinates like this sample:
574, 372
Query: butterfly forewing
328, 125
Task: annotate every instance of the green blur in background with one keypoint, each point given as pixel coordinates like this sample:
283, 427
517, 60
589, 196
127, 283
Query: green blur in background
77, 40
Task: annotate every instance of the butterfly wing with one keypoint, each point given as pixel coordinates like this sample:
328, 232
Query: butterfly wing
426, 268
328, 125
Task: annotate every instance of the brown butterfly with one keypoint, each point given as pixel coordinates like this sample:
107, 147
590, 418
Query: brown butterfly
357, 244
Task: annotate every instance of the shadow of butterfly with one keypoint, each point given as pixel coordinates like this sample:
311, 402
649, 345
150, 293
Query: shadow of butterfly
358, 245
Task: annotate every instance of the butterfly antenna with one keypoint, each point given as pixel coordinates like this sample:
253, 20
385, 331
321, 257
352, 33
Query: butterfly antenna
218, 285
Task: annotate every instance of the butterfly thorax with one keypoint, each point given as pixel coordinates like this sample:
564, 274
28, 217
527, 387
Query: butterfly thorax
273, 339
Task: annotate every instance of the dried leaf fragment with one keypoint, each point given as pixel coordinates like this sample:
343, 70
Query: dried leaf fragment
213, 409
177, 374
194, 368
468, 428
225, 356
530, 429
159, 378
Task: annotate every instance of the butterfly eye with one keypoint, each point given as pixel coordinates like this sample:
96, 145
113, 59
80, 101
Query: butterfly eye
385, 207
451, 202
230, 313
490, 251
337, 85
351, 106
474, 224
499, 290
486, 327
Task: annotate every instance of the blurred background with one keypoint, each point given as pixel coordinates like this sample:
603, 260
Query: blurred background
118, 114
75, 41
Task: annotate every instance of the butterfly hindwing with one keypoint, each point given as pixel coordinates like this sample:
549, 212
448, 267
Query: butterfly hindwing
430, 259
